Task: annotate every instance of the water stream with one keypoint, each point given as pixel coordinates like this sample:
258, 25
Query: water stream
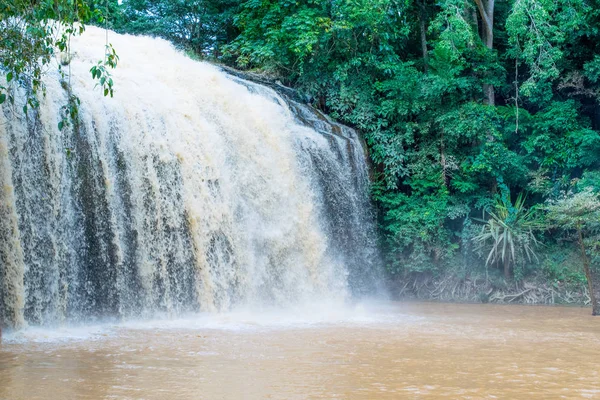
191, 190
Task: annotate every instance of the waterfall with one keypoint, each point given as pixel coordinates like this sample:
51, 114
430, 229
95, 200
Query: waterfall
190, 190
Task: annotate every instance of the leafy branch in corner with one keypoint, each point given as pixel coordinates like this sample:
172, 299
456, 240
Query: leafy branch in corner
33, 35
102, 74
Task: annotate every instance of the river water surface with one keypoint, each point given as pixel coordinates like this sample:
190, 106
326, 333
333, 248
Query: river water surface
375, 351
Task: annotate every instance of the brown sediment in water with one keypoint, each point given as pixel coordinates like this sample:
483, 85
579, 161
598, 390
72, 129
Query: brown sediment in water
413, 350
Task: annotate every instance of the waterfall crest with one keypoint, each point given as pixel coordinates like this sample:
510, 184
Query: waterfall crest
190, 190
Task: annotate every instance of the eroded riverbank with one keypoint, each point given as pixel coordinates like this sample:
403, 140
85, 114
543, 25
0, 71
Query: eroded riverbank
477, 289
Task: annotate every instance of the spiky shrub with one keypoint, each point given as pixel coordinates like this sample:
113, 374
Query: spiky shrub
508, 234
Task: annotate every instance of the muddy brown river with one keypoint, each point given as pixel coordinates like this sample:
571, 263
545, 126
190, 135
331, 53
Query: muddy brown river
375, 351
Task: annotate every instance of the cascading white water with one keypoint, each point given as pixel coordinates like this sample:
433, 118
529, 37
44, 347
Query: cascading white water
189, 190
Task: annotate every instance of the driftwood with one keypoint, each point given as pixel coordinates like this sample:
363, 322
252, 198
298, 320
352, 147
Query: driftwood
512, 297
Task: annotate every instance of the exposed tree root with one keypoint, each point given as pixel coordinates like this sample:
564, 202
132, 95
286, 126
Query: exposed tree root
477, 289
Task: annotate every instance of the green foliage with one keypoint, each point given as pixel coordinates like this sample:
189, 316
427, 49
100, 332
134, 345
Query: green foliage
201, 26
579, 213
414, 78
101, 73
561, 266
590, 180
575, 211
508, 234
440, 149
416, 230
33, 35
537, 32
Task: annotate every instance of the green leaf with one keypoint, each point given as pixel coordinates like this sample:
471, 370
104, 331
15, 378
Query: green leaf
2, 98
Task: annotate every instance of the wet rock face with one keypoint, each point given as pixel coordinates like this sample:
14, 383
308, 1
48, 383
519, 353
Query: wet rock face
178, 195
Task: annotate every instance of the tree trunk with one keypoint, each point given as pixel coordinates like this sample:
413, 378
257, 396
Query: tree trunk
490, 94
507, 268
595, 290
486, 11
474, 21
444, 165
592, 276
422, 17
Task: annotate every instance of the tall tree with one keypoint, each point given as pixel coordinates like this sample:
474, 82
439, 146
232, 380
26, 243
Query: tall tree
486, 12
423, 32
580, 213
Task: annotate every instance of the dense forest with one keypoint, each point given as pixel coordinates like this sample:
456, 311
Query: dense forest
482, 118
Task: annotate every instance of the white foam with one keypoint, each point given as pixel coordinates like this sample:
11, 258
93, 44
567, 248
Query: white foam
58, 334
306, 316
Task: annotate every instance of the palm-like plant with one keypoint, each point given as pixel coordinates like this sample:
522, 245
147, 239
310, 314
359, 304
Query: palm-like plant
508, 233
